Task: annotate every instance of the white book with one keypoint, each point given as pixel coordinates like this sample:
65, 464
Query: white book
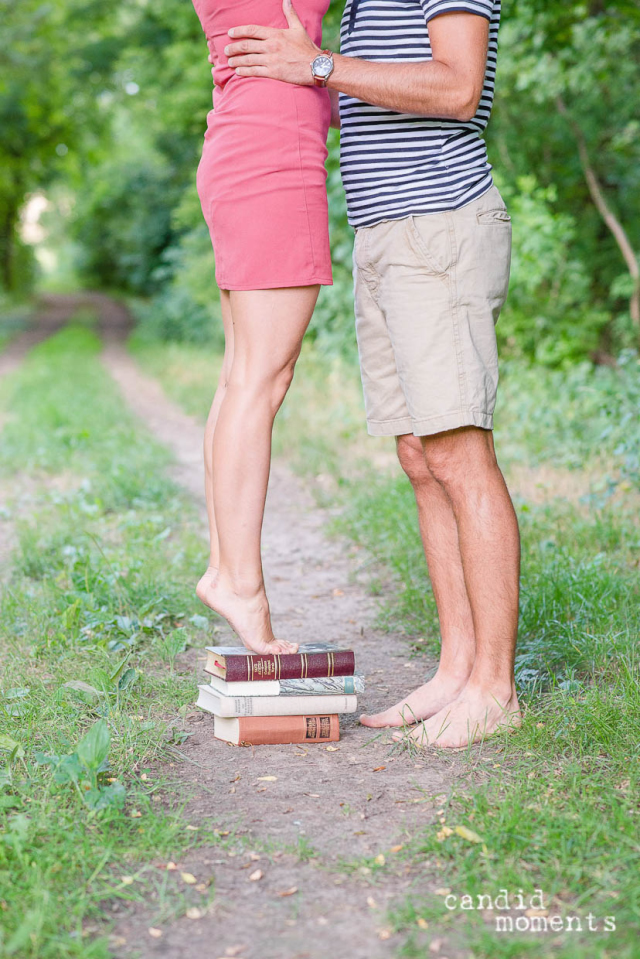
215, 702
322, 686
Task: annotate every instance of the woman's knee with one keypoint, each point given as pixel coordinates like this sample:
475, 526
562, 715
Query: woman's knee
262, 384
282, 381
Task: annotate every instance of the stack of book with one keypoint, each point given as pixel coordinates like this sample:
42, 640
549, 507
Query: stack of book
286, 698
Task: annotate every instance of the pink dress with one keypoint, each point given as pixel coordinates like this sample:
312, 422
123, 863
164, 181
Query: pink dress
262, 178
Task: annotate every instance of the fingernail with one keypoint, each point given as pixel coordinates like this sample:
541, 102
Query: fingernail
226, 51
232, 32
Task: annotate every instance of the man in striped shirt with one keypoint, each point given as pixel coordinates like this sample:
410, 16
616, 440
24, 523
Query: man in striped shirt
431, 268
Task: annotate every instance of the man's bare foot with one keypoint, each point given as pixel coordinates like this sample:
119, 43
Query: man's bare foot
421, 703
248, 616
472, 717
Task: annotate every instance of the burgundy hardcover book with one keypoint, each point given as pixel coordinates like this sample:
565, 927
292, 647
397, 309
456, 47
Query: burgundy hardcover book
235, 664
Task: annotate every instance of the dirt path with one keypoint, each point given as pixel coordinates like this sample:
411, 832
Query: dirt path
52, 312
321, 807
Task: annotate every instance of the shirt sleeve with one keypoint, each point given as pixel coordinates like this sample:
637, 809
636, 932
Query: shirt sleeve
433, 8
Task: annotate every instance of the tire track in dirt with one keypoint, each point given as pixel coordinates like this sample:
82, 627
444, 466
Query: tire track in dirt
325, 806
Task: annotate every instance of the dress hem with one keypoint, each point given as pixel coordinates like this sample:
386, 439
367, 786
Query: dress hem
271, 285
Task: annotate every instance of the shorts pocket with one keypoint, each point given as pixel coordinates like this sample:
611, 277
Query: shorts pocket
493, 216
430, 238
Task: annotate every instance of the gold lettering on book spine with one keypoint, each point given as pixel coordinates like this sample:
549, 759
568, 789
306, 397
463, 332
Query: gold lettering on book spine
263, 668
331, 664
304, 666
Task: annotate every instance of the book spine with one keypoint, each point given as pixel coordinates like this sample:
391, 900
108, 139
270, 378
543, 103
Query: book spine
284, 705
320, 686
268, 688
257, 731
289, 666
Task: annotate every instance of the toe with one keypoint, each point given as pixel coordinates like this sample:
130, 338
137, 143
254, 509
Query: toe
377, 720
282, 646
366, 720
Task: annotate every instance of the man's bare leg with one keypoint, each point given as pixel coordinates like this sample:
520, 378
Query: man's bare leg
439, 533
464, 463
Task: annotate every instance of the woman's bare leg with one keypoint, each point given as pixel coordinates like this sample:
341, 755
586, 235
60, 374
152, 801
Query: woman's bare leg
268, 327
214, 551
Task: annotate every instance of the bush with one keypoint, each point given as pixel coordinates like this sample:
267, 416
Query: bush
187, 306
123, 222
549, 317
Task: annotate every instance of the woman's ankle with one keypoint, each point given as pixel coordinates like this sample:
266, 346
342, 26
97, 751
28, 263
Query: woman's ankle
243, 587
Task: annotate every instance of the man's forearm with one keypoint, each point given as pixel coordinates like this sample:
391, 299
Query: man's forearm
449, 85
426, 89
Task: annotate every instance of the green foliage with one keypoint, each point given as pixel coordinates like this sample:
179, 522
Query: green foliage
51, 71
85, 768
549, 317
583, 57
188, 306
117, 113
120, 226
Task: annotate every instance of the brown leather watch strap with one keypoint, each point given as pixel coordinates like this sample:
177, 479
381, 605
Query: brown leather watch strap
322, 81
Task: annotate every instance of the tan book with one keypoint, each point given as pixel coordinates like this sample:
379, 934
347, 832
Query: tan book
217, 703
273, 730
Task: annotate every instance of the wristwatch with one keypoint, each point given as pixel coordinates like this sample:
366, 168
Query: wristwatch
322, 68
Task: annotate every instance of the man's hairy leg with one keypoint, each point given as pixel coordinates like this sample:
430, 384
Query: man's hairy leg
439, 532
464, 463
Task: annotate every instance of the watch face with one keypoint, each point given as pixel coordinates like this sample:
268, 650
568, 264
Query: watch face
322, 66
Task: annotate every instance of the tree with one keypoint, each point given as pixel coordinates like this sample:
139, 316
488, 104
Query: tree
566, 111
54, 56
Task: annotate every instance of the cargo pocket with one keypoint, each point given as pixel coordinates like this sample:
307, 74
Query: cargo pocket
494, 248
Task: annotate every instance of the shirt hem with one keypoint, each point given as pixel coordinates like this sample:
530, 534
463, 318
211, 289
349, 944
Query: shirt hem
418, 211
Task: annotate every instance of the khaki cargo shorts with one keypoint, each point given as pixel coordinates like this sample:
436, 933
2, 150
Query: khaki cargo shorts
428, 292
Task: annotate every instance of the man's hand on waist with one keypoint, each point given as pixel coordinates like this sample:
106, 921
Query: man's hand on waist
448, 86
268, 52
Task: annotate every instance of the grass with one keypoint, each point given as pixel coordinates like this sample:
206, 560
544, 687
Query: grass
554, 806
96, 602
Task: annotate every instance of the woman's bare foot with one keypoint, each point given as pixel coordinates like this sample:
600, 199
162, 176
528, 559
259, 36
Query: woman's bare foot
207, 579
248, 615
475, 715
423, 702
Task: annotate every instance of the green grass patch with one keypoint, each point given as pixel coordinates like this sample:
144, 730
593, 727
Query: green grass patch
96, 608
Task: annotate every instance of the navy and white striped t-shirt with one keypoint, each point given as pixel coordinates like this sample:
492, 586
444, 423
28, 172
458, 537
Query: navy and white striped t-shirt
393, 164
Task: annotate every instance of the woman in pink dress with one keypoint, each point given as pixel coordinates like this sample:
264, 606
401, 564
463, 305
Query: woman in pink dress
262, 185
